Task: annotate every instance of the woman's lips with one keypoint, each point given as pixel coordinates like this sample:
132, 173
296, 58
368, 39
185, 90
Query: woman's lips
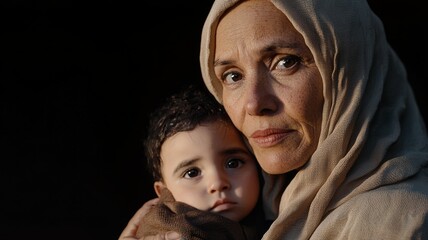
269, 137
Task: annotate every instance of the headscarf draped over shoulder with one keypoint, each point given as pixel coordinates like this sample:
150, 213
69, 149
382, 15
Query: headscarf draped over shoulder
368, 176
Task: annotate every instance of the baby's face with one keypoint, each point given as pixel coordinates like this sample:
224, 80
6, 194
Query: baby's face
211, 169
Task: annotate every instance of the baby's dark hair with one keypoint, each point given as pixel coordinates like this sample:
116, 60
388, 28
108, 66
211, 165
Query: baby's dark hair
183, 111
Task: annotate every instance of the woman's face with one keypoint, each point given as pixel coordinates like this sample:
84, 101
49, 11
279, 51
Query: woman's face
272, 88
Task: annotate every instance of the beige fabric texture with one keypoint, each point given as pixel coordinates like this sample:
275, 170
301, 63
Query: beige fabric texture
368, 177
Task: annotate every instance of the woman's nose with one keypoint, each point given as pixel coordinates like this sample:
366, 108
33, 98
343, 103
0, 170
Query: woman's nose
260, 97
218, 182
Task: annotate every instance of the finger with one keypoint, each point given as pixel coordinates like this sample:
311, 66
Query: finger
172, 236
131, 228
165, 236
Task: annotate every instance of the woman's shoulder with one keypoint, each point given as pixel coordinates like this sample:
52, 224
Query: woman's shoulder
396, 211
408, 196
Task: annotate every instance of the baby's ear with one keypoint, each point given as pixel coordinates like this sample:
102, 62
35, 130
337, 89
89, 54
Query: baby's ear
159, 185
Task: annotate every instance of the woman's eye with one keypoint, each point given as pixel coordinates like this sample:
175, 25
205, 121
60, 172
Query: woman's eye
234, 163
288, 62
231, 77
191, 173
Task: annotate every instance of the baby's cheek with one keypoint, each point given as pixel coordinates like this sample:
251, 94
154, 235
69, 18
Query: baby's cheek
190, 197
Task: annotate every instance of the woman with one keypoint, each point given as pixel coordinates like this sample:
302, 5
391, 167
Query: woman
321, 97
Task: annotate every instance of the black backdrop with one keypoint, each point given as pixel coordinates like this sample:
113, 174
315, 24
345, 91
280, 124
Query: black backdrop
77, 83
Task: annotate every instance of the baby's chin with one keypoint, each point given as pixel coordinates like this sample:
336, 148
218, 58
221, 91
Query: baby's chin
230, 215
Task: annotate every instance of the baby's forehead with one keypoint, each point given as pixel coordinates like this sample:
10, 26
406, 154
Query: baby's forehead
211, 135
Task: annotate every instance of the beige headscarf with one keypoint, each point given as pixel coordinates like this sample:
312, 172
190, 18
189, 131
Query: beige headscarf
368, 177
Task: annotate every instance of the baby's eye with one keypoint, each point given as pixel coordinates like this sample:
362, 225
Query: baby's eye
191, 173
234, 163
231, 77
288, 62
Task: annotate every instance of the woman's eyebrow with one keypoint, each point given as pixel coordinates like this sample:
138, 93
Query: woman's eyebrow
274, 46
280, 45
217, 62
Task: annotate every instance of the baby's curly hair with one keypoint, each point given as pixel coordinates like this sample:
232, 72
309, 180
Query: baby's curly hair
183, 111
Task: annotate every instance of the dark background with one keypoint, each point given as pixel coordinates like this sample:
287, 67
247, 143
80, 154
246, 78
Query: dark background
77, 83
